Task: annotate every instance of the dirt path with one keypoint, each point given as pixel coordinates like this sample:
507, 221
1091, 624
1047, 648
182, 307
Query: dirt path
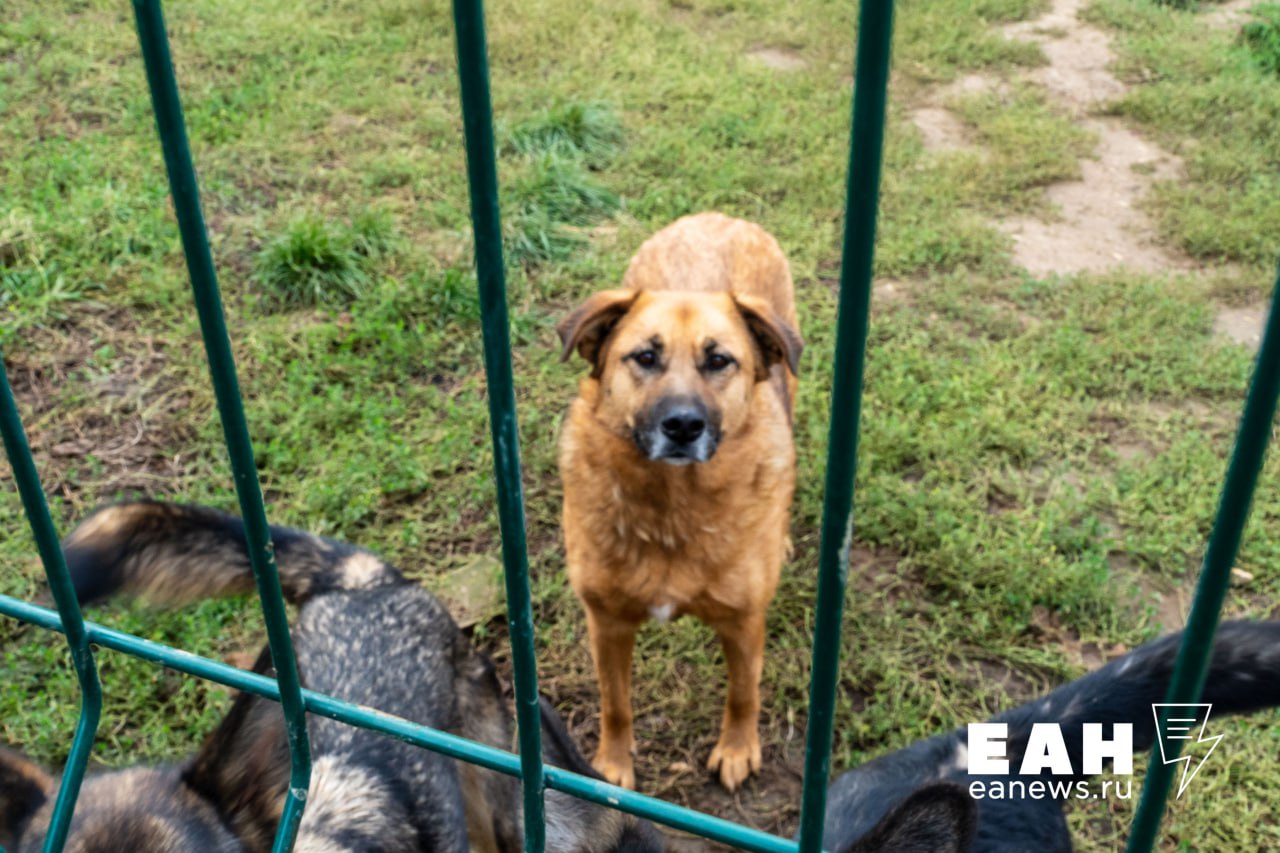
1102, 226
1096, 223
1099, 224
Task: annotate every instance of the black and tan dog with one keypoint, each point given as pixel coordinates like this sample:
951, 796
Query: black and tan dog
364, 634
1244, 676
678, 463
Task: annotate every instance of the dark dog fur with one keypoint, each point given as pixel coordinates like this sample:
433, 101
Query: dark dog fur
365, 635
1244, 676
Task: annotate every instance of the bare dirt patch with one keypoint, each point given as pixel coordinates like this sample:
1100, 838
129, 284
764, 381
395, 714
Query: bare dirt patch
969, 84
779, 59
114, 434
888, 290
1242, 325
1169, 598
1228, 15
1101, 225
940, 130
1096, 223
1078, 55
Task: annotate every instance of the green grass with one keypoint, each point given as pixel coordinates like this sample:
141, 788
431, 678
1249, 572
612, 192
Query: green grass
315, 263
592, 131
1262, 37
551, 199
1039, 458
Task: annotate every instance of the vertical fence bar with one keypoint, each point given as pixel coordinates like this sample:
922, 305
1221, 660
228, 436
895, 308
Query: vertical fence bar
875, 33
482, 176
222, 370
55, 570
1192, 665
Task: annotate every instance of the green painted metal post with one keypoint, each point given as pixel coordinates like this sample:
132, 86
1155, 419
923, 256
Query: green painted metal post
482, 176
222, 370
1192, 665
55, 569
875, 36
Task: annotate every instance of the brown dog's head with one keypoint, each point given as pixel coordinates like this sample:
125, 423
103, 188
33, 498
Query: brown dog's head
677, 369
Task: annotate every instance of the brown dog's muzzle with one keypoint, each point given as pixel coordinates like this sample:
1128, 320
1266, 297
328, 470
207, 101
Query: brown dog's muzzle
678, 430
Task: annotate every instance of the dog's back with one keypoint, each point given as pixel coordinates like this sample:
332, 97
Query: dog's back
397, 649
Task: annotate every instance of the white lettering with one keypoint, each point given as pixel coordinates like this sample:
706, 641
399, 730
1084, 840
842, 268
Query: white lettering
987, 749
1046, 749
1119, 749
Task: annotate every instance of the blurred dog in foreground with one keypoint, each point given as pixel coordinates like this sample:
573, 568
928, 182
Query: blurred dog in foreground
1244, 676
364, 634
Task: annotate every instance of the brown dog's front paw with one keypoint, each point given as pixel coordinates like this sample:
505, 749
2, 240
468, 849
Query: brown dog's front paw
735, 758
616, 767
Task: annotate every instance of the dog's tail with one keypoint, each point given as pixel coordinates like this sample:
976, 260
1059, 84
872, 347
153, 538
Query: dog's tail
1244, 676
176, 553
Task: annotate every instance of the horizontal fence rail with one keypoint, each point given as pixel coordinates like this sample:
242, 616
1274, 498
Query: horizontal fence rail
363, 717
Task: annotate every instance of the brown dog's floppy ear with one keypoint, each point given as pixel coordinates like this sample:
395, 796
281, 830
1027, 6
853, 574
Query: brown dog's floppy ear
775, 337
24, 788
587, 327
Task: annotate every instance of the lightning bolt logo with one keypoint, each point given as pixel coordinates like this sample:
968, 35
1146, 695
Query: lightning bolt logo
1179, 725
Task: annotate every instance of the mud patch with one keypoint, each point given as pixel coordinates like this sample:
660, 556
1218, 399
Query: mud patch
940, 130
99, 432
1242, 325
779, 59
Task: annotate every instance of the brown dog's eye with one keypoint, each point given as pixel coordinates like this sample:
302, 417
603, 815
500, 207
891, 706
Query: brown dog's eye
645, 358
717, 361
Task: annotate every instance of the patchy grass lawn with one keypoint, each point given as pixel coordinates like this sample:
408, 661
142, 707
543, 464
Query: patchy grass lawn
1040, 457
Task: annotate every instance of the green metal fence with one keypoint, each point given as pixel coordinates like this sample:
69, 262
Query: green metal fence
874, 36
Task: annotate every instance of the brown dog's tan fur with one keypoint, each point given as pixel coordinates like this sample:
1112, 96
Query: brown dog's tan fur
645, 537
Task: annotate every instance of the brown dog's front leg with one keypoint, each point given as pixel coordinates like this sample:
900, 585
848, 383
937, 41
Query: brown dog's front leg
737, 754
612, 642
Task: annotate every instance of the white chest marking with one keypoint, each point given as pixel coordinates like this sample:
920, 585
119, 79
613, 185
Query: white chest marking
662, 612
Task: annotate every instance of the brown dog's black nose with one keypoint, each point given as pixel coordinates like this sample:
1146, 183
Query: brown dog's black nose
683, 426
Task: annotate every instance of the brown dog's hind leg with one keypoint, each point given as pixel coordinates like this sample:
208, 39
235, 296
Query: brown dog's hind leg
612, 642
737, 754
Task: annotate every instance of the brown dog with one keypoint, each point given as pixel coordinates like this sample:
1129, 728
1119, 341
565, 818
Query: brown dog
678, 463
